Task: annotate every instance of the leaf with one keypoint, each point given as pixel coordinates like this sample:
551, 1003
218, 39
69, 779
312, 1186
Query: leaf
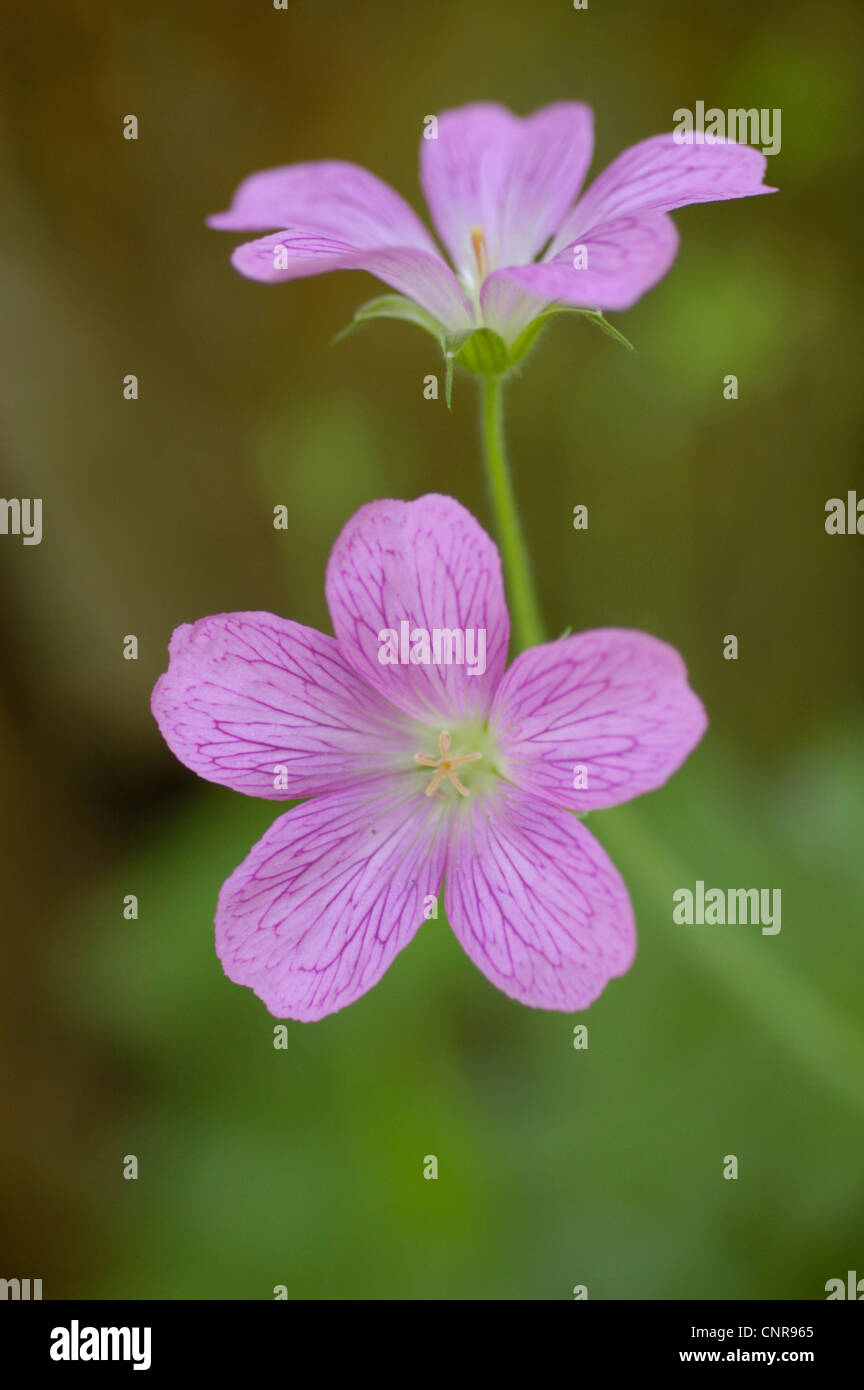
393, 306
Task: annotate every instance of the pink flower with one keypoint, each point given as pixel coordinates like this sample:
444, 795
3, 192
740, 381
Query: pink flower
502, 191
420, 770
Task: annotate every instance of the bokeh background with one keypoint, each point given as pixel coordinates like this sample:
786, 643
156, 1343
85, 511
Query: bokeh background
303, 1166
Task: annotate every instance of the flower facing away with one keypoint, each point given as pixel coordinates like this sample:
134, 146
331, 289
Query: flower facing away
503, 193
423, 762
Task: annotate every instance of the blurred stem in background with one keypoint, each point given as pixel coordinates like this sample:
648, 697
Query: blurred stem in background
825, 1040
829, 1045
521, 590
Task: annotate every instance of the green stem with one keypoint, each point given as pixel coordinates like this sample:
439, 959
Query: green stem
826, 1043
527, 622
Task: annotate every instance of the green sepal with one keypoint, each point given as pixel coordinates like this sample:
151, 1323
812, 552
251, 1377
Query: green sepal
397, 306
596, 317
485, 353
528, 337
451, 346
393, 306
480, 351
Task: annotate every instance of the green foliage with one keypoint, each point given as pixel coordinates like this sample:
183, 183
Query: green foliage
262, 1166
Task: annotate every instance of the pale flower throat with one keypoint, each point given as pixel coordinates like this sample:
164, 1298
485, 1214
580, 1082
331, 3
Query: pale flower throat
472, 744
445, 765
472, 276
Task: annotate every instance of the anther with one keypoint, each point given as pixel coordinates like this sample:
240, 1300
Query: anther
481, 250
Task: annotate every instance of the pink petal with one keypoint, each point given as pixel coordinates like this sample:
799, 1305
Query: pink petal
613, 702
428, 564
622, 260
659, 175
338, 216
341, 200
273, 709
513, 177
421, 275
536, 902
324, 902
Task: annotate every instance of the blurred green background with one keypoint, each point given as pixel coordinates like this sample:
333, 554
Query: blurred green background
303, 1167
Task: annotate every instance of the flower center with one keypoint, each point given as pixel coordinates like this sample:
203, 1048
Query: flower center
481, 251
444, 765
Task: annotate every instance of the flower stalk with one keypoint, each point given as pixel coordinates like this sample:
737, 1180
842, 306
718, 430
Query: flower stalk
527, 621
826, 1043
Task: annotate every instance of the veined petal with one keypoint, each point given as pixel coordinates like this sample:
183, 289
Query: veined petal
422, 567
328, 897
341, 200
536, 902
597, 718
421, 275
659, 175
513, 177
610, 269
273, 709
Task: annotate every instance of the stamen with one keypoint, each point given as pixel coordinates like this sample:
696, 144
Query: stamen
463, 791
481, 250
444, 765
